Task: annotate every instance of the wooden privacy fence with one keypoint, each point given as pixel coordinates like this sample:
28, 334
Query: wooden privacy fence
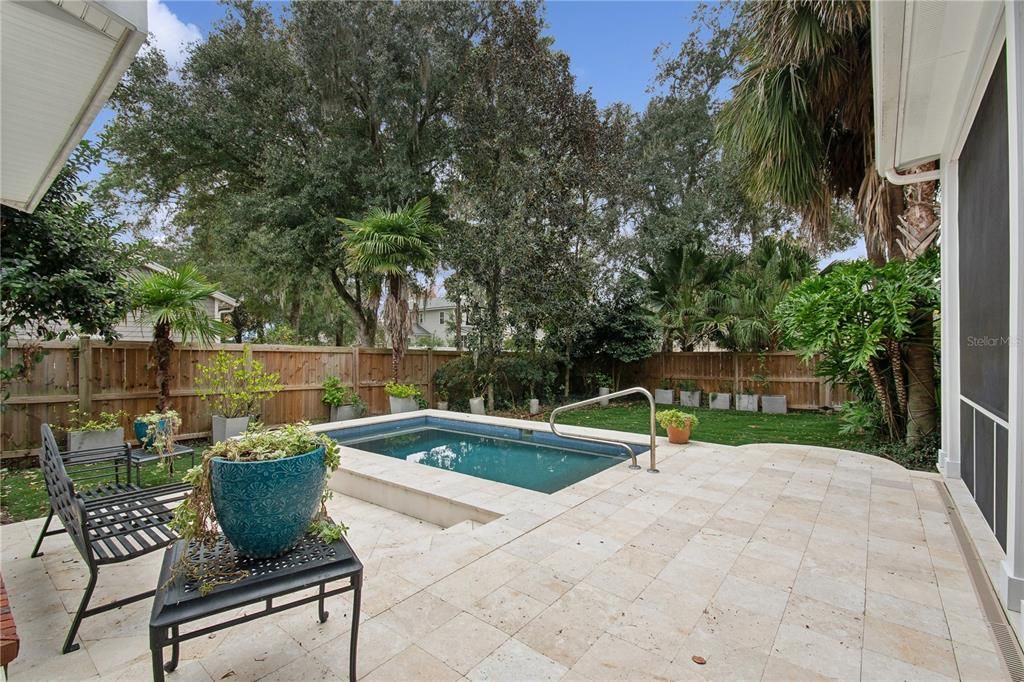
95, 377
726, 372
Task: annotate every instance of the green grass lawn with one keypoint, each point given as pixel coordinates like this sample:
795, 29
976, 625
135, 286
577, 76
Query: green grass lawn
728, 427
23, 492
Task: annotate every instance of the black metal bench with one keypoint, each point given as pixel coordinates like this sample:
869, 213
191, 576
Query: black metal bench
111, 522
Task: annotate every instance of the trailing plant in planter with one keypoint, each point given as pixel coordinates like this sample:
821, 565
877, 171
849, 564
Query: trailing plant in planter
236, 388
156, 432
678, 424
343, 400
264, 491
402, 397
103, 431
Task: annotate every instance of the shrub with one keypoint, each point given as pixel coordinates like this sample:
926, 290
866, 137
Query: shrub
233, 389
688, 385
676, 419
337, 394
861, 418
516, 379
921, 455
105, 421
402, 390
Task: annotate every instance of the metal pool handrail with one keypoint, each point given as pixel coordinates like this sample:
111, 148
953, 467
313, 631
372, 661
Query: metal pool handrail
618, 394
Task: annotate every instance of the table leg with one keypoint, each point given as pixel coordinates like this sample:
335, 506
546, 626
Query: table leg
156, 649
357, 581
321, 612
173, 663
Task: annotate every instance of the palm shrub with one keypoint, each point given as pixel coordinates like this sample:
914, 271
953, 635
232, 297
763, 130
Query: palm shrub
397, 246
862, 320
174, 303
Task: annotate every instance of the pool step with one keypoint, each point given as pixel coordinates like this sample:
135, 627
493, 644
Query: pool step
461, 528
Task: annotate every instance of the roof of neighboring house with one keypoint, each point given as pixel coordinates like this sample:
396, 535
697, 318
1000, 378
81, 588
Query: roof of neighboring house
437, 304
926, 61
61, 60
219, 295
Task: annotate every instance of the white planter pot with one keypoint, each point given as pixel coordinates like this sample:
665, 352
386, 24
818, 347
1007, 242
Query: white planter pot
476, 406
664, 396
746, 402
720, 401
442, 404
340, 413
773, 404
88, 440
399, 405
228, 427
604, 391
689, 398
534, 405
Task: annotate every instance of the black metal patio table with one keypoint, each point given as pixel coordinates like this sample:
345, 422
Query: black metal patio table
311, 564
139, 456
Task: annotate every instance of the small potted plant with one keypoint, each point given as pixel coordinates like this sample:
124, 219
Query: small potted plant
343, 400
689, 393
770, 403
746, 400
602, 382
156, 432
664, 394
442, 398
678, 424
236, 390
720, 399
402, 397
263, 490
105, 431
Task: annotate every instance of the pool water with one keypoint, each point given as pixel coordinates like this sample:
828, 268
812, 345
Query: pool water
534, 460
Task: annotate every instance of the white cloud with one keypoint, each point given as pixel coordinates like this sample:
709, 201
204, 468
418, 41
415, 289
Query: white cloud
170, 34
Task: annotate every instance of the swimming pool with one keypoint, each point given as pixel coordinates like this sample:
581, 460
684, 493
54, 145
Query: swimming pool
537, 460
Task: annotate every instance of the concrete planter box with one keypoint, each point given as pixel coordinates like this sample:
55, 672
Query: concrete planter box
746, 402
604, 391
664, 396
720, 401
399, 405
476, 406
88, 440
228, 427
689, 398
773, 404
442, 404
534, 406
340, 413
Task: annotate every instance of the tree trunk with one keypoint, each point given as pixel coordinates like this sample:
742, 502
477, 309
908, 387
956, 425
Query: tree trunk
366, 331
922, 408
163, 346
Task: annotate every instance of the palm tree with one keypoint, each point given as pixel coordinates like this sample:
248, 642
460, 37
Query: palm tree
174, 302
398, 246
802, 120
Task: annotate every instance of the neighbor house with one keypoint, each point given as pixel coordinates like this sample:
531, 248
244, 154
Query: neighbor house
436, 318
949, 87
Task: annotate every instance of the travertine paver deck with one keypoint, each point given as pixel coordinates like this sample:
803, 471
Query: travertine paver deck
776, 562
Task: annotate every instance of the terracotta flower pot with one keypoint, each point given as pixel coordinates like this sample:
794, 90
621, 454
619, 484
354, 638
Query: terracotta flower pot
679, 436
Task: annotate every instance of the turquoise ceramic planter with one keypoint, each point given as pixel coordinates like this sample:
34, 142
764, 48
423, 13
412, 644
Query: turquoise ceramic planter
142, 428
263, 508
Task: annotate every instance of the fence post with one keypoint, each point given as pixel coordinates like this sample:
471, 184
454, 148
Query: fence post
85, 374
430, 377
356, 383
247, 356
735, 374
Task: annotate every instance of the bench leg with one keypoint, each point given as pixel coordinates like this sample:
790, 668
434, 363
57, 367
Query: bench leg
322, 613
69, 643
42, 534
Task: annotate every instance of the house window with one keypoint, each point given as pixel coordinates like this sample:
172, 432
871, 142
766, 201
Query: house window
421, 318
442, 316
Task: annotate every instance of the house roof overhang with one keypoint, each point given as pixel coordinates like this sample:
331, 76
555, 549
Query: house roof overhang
59, 62
926, 61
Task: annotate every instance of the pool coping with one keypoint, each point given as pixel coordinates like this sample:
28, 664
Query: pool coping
448, 497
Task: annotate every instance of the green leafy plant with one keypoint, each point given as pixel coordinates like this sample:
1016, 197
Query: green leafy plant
104, 421
598, 380
161, 429
233, 387
861, 418
677, 419
338, 394
666, 383
396, 390
196, 519
688, 385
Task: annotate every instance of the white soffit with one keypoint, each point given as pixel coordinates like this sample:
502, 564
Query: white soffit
59, 62
923, 51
